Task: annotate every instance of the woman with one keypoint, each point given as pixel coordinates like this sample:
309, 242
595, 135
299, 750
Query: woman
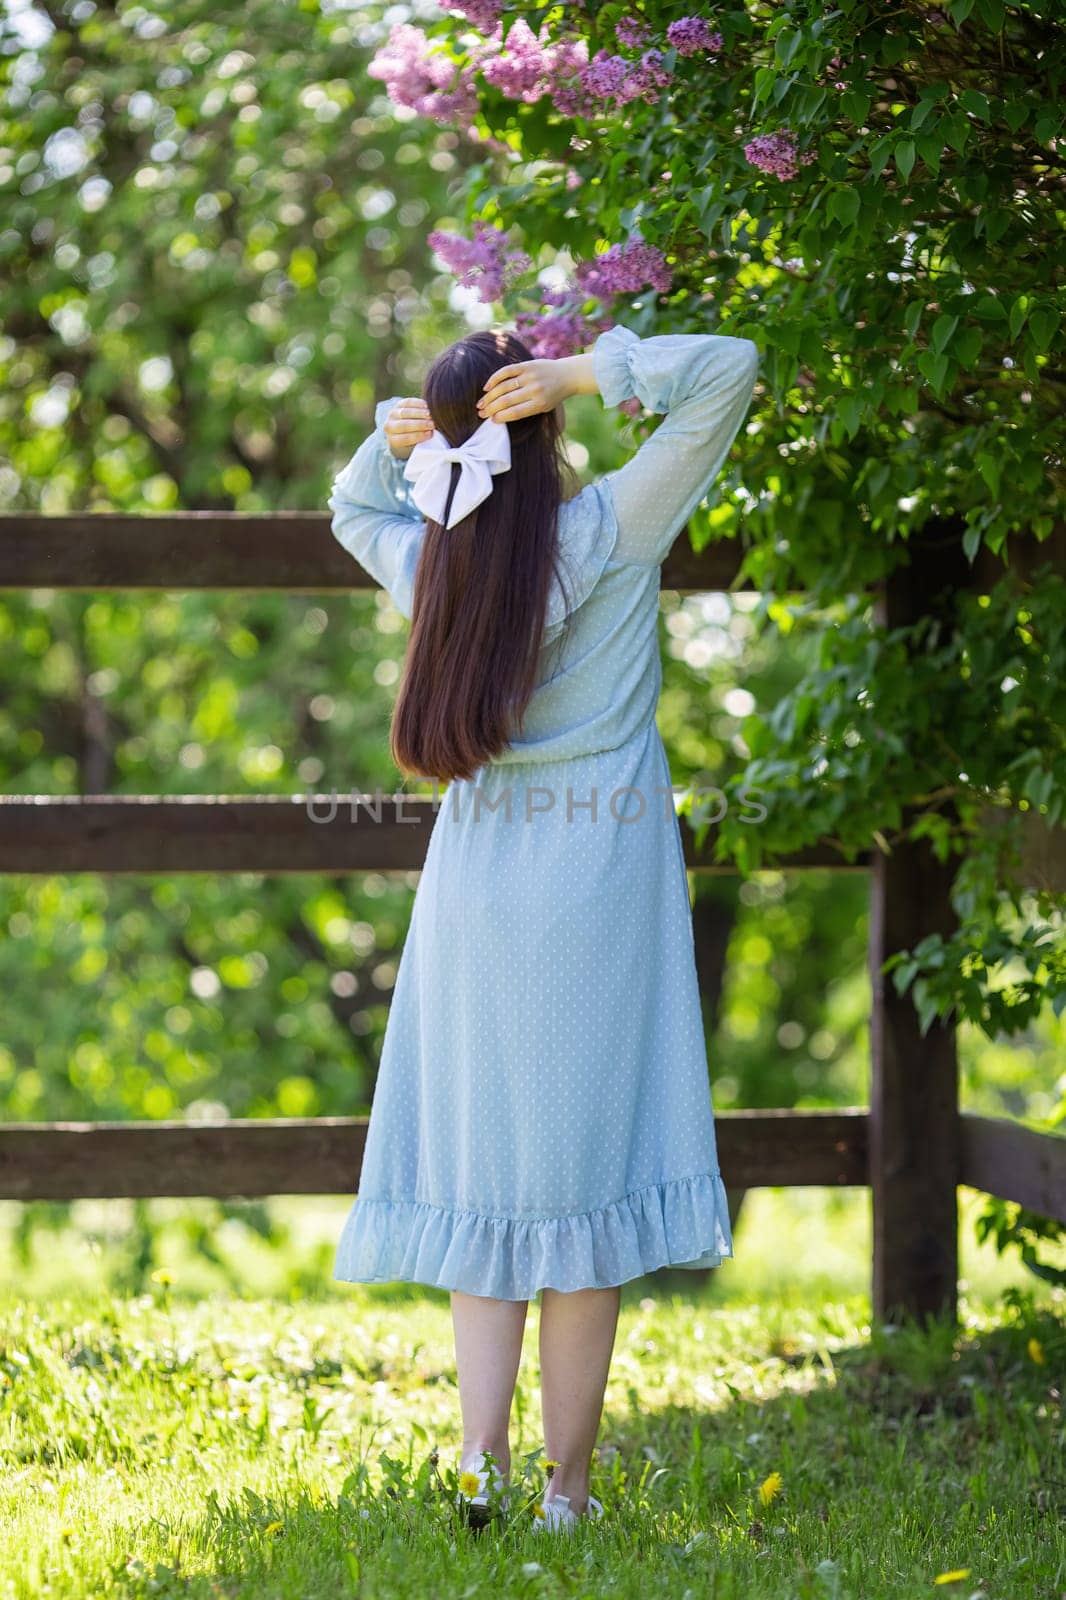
542, 1118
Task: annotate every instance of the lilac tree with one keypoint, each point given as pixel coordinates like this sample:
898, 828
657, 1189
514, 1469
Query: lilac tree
875, 196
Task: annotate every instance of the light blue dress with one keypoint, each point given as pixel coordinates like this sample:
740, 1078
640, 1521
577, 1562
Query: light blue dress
542, 1114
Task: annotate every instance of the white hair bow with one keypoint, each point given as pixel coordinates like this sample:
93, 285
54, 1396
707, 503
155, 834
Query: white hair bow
429, 468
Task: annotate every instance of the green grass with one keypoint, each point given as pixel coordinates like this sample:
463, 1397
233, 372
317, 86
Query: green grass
190, 1441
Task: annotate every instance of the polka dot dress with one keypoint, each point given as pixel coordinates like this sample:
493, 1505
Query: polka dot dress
542, 1115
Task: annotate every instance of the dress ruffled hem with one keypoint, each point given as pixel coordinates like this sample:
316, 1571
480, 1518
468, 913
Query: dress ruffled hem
683, 1222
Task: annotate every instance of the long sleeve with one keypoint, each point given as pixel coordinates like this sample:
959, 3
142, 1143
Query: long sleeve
374, 517
704, 384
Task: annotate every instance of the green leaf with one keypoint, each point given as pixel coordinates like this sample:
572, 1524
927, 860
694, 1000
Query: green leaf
974, 101
930, 144
855, 105
967, 347
942, 330
879, 155
849, 410
1043, 326
960, 10
904, 154
765, 78
786, 45
991, 468
844, 205
903, 975
935, 368
957, 128
809, 103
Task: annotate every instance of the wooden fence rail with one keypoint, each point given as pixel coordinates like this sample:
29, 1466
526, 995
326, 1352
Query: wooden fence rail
254, 1157
265, 833
912, 1147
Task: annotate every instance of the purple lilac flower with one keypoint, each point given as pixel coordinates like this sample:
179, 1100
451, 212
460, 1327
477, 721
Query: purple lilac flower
624, 269
564, 63
648, 76
604, 75
423, 79
520, 72
551, 336
481, 260
690, 34
481, 14
530, 66
616, 78
631, 31
777, 153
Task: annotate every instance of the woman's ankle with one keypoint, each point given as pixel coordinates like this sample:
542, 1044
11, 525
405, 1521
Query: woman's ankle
471, 1457
573, 1484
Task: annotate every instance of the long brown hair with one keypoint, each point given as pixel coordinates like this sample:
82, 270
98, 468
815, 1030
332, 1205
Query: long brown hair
481, 587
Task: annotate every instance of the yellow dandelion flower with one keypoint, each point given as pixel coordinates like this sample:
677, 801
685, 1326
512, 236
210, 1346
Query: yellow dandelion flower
162, 1275
770, 1488
953, 1577
469, 1483
539, 1511
1036, 1351
549, 1466
272, 1528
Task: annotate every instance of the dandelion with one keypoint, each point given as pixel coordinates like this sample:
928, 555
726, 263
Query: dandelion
953, 1577
1036, 1351
272, 1529
469, 1483
539, 1511
770, 1488
162, 1275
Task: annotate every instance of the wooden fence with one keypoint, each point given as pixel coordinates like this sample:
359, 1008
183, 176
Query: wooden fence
911, 1147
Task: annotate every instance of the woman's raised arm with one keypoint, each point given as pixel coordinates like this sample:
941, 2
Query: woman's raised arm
374, 517
704, 384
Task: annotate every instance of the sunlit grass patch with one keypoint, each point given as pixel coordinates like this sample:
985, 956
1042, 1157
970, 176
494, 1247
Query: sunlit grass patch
158, 1446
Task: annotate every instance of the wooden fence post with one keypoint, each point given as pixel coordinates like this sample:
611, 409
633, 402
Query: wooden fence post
914, 1107
913, 1128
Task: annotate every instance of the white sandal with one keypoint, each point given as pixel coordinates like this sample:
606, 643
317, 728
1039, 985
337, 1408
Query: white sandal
479, 1508
557, 1514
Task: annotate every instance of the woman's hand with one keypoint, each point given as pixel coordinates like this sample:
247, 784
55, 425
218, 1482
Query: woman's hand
528, 387
406, 425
